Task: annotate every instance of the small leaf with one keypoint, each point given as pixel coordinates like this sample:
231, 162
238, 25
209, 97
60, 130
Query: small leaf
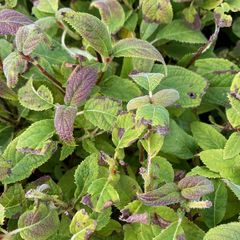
158, 11
64, 122
5, 169
91, 29
37, 100
28, 38
11, 21
39, 223
207, 136
136, 48
157, 116
86, 173
102, 112
231, 148
2, 214
194, 187
112, 13
166, 195
47, 6
230, 231
148, 81
103, 194
13, 65
6, 92
165, 97
135, 103
79, 85
82, 226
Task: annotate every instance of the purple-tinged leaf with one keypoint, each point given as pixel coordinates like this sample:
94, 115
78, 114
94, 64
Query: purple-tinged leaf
64, 121
166, 195
133, 218
13, 65
11, 21
28, 37
194, 187
80, 84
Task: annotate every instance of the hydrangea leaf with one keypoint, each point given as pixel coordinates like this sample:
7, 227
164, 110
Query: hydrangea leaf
37, 100
28, 38
91, 29
11, 21
158, 11
82, 226
179, 31
102, 112
230, 231
190, 86
64, 122
207, 136
79, 85
194, 187
112, 13
103, 194
148, 81
86, 173
39, 223
13, 65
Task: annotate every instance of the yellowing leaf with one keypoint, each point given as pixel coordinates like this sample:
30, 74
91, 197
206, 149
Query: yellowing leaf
47, 6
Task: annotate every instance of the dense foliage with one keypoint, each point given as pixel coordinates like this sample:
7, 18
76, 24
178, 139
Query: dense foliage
119, 120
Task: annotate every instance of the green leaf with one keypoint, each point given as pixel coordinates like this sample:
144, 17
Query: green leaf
13, 65
91, 29
35, 139
148, 81
135, 103
165, 195
190, 86
214, 215
158, 11
111, 12
2, 214
103, 194
165, 97
231, 148
234, 188
126, 131
102, 112
234, 5
86, 173
82, 226
203, 171
233, 117
172, 232
207, 136
178, 30
230, 231
6, 92
178, 142
47, 6
37, 100
228, 168
39, 223
120, 88
156, 116
136, 48
24, 163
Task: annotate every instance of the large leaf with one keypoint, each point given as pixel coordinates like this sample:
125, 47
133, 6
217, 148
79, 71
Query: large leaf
82, 226
39, 223
11, 21
37, 100
159, 11
190, 86
136, 48
179, 31
112, 13
207, 136
79, 85
64, 122
91, 29
231, 148
230, 231
102, 112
